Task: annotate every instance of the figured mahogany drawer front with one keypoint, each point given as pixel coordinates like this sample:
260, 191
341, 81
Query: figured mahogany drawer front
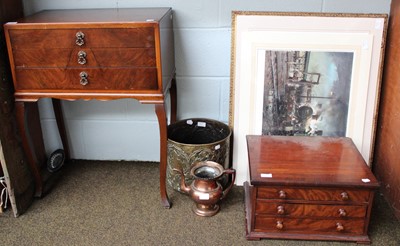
99, 79
320, 226
85, 57
142, 37
315, 194
310, 210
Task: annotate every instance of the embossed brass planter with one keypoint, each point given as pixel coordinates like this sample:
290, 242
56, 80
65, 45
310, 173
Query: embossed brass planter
194, 140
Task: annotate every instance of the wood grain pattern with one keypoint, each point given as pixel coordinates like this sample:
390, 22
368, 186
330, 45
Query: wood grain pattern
328, 161
95, 57
107, 79
326, 226
94, 37
313, 194
309, 210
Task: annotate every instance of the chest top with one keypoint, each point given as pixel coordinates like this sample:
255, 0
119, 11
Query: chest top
88, 16
307, 161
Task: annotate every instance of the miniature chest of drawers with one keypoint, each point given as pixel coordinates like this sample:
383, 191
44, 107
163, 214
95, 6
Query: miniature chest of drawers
310, 188
102, 54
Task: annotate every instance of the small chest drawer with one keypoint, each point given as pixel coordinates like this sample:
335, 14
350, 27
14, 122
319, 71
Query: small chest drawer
314, 194
322, 226
95, 37
87, 79
85, 57
310, 210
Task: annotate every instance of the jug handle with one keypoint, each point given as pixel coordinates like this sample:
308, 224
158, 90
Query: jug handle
233, 173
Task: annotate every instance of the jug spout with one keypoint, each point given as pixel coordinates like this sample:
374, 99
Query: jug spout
183, 186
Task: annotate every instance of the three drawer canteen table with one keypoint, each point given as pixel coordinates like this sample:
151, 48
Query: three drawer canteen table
102, 54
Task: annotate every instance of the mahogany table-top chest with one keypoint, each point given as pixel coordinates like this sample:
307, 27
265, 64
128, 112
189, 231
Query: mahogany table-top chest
310, 188
92, 53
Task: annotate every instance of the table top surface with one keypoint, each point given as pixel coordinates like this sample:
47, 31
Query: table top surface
115, 15
307, 161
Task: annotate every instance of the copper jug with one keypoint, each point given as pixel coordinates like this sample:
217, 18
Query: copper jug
205, 189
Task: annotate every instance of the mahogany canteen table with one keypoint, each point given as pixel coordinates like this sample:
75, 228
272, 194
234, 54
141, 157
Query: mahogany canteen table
310, 188
103, 54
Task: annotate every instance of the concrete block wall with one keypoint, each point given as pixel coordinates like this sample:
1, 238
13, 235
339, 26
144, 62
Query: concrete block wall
127, 130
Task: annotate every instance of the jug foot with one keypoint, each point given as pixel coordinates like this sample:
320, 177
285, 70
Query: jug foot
205, 210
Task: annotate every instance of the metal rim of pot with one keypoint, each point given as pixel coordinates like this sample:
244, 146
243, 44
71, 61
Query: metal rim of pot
202, 120
204, 164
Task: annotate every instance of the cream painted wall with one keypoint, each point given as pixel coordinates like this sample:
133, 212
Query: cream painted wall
126, 130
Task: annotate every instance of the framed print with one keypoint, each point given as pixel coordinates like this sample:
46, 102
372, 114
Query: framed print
305, 74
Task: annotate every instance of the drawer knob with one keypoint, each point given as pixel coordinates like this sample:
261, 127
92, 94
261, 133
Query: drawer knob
344, 196
282, 194
279, 225
342, 212
83, 78
82, 57
80, 38
339, 227
280, 209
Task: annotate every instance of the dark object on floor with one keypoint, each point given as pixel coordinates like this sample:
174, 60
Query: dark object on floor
56, 161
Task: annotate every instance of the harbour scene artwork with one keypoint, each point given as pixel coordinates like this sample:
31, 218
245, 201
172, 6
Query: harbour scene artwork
306, 92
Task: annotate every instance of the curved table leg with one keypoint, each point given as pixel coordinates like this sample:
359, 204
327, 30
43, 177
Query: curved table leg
32, 140
61, 126
162, 122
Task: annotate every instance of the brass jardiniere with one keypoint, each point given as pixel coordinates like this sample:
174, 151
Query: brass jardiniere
195, 140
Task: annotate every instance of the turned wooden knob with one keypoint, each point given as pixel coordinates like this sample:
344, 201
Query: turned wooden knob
280, 209
339, 227
282, 194
344, 196
342, 212
279, 225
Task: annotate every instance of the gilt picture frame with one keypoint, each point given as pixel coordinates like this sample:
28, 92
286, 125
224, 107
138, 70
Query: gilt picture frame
305, 74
